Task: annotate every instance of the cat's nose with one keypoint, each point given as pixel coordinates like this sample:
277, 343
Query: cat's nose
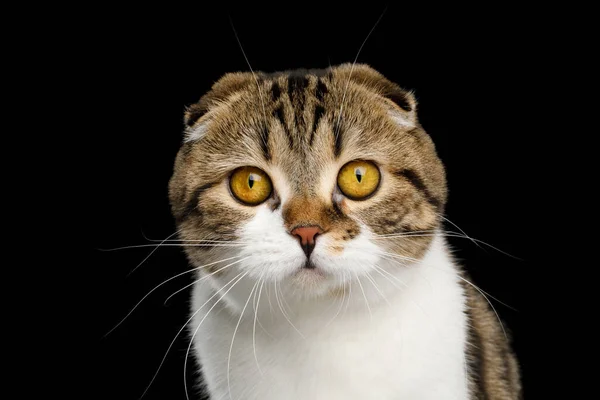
307, 236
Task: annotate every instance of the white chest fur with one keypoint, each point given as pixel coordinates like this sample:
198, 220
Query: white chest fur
408, 343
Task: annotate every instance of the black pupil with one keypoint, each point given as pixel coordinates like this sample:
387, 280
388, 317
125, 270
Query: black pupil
251, 181
358, 174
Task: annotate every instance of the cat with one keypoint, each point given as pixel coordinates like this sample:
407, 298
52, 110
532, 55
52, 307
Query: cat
311, 203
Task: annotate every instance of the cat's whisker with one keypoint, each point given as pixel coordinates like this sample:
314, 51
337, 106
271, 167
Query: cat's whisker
460, 277
349, 292
332, 303
269, 300
352, 70
161, 284
168, 239
364, 295
285, 303
461, 231
399, 257
429, 233
432, 231
343, 284
204, 278
483, 292
139, 246
260, 95
200, 324
233, 337
480, 291
284, 313
278, 295
402, 234
202, 241
237, 245
424, 233
413, 261
382, 270
446, 234
491, 305
262, 282
152, 252
370, 279
186, 323
376, 268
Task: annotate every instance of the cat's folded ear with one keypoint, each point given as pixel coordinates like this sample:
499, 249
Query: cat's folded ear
195, 116
402, 103
405, 113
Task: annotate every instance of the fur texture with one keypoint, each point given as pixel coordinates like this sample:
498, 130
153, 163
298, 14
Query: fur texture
384, 313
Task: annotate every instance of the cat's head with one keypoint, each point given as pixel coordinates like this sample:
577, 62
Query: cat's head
294, 177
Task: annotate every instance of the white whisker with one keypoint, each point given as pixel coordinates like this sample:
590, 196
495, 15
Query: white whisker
200, 324
352, 70
461, 231
269, 300
254, 327
431, 266
382, 270
370, 279
284, 313
285, 303
253, 74
349, 292
475, 287
405, 234
201, 241
445, 234
205, 277
364, 295
181, 330
139, 246
152, 252
414, 260
161, 284
207, 241
343, 283
233, 337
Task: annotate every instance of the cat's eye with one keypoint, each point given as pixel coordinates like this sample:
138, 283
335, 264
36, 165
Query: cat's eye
250, 185
358, 179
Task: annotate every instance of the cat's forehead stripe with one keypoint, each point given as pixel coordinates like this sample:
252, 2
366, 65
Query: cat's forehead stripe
319, 111
321, 90
297, 84
290, 110
280, 115
275, 92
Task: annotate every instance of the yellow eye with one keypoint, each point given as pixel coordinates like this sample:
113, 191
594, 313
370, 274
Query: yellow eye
250, 185
358, 179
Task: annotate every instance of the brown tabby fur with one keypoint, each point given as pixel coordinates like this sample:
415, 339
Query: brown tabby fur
308, 123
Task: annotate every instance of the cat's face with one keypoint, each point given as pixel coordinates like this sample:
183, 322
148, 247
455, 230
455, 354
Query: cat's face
293, 177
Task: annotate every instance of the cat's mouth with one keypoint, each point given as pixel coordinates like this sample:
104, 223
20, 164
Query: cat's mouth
310, 270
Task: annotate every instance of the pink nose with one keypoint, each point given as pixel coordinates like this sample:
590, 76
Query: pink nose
307, 235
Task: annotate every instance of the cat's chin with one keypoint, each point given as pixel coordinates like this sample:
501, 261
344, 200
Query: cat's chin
310, 273
311, 281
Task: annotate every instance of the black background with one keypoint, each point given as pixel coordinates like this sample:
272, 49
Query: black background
471, 77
